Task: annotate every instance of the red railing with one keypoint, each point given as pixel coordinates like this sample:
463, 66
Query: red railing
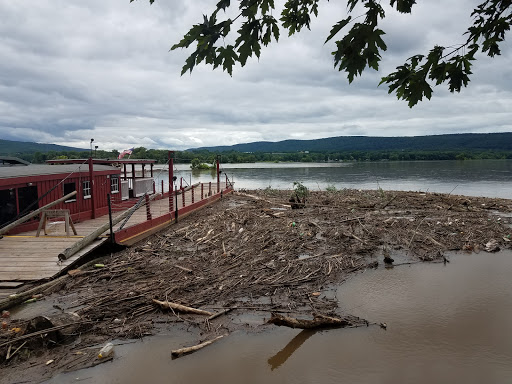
159, 215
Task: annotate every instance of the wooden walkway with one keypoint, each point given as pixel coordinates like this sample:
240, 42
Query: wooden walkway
25, 257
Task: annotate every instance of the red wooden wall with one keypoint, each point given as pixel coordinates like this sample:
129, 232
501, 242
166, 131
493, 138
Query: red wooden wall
80, 208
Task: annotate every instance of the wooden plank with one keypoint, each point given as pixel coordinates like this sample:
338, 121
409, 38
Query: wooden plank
43, 270
20, 254
35, 244
21, 276
28, 261
10, 284
31, 271
34, 251
29, 247
7, 292
39, 240
27, 257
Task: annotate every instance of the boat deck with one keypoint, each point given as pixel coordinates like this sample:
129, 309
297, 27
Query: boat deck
27, 258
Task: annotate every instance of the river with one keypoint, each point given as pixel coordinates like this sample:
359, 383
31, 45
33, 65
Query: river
491, 178
445, 323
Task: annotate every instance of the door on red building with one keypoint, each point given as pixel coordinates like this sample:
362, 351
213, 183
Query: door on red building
7, 205
27, 200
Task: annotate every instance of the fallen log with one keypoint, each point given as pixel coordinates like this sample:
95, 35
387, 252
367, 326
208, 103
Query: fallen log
319, 321
259, 198
85, 241
184, 351
181, 308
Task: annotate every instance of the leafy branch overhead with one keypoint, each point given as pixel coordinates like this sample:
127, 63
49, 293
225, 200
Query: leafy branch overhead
360, 43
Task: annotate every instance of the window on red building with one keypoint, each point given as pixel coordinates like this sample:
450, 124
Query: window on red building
68, 188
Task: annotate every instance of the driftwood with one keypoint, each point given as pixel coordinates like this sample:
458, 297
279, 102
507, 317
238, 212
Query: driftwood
68, 252
214, 316
181, 308
184, 351
7, 228
42, 332
262, 199
319, 321
18, 298
9, 354
389, 201
188, 270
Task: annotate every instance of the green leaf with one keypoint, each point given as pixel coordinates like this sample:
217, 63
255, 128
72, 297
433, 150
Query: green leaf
351, 4
275, 31
359, 49
337, 27
226, 27
189, 64
248, 40
223, 4
266, 5
374, 12
227, 57
296, 14
403, 6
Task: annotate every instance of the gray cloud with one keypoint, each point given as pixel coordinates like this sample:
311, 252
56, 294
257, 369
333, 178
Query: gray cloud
74, 70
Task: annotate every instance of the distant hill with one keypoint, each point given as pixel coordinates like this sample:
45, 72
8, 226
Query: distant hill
8, 147
463, 141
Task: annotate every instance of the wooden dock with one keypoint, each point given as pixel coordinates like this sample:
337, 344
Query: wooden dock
27, 258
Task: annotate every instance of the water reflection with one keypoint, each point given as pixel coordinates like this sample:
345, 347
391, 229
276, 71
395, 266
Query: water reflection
284, 354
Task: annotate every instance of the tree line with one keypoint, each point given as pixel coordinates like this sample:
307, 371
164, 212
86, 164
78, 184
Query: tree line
205, 156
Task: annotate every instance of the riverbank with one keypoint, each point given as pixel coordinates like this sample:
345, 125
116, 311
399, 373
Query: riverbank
254, 255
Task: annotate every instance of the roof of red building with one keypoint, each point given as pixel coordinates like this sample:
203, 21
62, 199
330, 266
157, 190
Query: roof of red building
9, 161
103, 161
47, 169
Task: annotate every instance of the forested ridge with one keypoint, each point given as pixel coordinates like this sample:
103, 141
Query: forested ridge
473, 141
343, 148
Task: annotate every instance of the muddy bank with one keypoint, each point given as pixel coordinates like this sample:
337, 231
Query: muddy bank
250, 253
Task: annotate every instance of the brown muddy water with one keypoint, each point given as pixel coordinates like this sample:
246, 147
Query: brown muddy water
445, 324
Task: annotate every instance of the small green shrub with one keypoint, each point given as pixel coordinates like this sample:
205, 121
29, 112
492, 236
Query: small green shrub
301, 191
197, 165
331, 189
270, 191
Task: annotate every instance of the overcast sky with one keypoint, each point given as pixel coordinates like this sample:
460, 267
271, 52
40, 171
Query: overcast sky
72, 70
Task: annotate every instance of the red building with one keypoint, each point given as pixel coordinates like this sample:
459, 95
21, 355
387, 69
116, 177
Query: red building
26, 187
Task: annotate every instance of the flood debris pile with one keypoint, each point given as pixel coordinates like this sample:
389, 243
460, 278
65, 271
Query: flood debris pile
252, 252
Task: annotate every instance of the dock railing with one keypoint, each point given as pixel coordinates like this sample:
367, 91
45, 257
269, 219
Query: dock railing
157, 211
